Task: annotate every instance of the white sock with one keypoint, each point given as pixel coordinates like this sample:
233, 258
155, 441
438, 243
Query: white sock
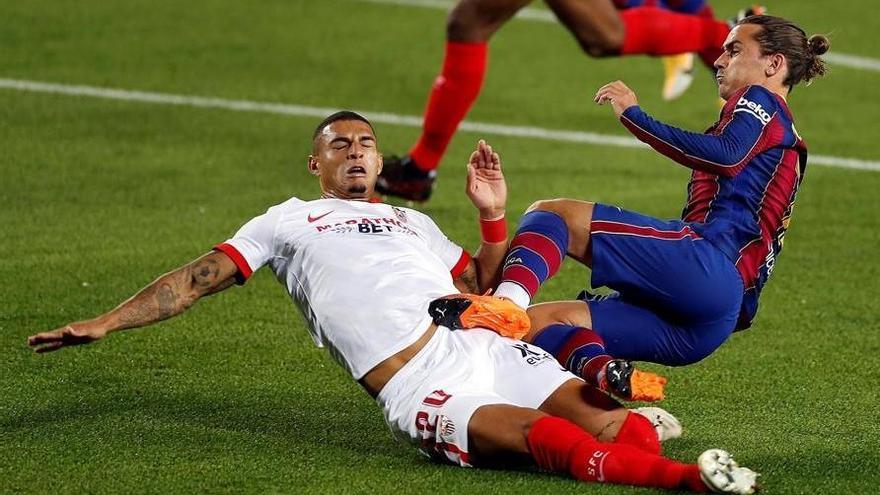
514, 292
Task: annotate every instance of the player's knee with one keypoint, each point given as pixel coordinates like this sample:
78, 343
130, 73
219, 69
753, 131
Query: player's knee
468, 22
540, 205
573, 313
551, 205
460, 28
565, 208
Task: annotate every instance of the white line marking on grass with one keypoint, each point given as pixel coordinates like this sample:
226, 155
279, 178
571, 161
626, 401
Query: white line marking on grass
532, 14
381, 117
852, 61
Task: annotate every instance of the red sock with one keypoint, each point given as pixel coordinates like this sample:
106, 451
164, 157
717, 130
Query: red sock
453, 93
655, 31
638, 431
559, 445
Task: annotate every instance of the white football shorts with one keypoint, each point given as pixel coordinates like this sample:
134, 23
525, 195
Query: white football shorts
430, 401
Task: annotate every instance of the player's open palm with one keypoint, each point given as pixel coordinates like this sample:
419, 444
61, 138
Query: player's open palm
486, 187
65, 336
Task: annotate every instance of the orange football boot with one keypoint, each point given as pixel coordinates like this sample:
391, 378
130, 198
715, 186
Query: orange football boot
623, 380
463, 311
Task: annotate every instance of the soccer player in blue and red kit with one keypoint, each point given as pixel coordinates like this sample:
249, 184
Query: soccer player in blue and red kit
683, 286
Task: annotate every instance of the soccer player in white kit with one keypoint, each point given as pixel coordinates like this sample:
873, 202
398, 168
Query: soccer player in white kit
363, 275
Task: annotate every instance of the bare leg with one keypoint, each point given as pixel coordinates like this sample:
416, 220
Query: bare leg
577, 215
469, 26
574, 313
502, 429
595, 412
595, 24
475, 21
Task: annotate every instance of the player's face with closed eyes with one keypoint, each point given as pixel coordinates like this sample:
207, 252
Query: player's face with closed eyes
346, 160
742, 62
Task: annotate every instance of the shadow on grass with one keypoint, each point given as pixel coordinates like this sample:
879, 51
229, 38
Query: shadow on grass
291, 421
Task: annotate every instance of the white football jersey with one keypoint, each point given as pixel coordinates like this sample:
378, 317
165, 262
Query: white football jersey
362, 273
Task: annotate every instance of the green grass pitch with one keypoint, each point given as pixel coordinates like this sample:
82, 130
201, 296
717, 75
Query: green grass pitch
100, 196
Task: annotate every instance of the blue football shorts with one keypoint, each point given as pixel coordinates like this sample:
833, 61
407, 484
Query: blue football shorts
678, 298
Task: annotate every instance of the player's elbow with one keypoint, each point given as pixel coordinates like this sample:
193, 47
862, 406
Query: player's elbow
185, 289
728, 171
724, 162
732, 163
734, 154
193, 290
188, 299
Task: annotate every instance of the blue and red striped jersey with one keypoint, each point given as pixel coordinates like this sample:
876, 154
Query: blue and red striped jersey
746, 171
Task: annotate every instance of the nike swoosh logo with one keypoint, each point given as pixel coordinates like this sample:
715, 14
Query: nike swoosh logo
315, 219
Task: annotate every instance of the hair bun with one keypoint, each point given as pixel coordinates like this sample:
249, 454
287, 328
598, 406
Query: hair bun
819, 44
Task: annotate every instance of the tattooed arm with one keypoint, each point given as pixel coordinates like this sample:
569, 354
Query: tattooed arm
170, 295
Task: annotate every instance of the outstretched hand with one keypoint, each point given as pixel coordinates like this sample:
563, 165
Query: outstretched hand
618, 94
486, 186
65, 336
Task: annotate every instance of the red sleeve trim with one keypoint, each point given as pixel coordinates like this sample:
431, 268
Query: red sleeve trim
244, 270
461, 265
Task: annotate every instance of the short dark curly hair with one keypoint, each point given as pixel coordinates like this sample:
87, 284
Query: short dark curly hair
341, 115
